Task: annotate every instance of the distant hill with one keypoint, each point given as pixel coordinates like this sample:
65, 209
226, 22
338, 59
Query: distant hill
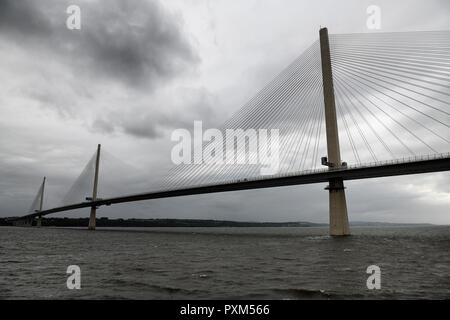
386, 224
106, 222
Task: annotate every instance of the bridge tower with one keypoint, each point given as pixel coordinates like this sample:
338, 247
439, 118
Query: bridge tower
338, 205
41, 205
94, 192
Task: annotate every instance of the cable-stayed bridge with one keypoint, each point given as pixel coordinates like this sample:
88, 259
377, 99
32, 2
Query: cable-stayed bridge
381, 100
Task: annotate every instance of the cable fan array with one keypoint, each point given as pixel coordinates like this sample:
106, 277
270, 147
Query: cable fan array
83, 185
36, 204
391, 92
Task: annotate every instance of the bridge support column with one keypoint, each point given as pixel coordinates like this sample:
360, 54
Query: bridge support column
338, 206
92, 217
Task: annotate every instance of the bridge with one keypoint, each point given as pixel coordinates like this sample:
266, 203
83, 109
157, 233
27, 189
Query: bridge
392, 88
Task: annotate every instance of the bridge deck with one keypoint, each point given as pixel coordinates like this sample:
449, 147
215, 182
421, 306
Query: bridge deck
393, 168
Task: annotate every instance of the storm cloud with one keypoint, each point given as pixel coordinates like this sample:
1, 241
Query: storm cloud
135, 42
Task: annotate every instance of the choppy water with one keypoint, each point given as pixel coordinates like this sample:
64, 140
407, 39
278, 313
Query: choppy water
224, 263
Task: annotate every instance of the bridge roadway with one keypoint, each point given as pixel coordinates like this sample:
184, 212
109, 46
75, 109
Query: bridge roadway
416, 165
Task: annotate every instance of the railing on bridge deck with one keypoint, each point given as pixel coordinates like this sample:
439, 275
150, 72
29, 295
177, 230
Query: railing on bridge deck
405, 160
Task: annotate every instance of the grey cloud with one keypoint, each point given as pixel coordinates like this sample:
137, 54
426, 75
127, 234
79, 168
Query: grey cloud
152, 120
143, 128
135, 42
23, 18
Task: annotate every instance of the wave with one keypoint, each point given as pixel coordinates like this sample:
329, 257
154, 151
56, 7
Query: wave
302, 293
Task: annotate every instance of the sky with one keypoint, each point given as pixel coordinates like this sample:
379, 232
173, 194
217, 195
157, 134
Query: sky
137, 70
